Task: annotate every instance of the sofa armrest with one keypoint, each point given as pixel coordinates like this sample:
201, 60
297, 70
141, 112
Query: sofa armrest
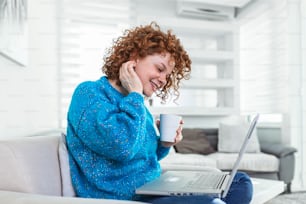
286, 160
278, 150
27, 198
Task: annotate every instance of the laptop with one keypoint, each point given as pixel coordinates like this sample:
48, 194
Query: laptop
187, 183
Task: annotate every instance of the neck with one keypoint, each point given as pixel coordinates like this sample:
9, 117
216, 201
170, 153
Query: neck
117, 85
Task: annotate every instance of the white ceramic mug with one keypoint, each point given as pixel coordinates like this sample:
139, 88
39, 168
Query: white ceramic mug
169, 123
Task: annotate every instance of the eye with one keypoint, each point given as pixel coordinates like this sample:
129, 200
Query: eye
160, 69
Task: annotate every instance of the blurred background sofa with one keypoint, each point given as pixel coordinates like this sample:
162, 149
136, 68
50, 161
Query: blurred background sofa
201, 148
35, 169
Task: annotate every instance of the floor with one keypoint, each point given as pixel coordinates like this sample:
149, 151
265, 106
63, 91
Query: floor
265, 190
291, 198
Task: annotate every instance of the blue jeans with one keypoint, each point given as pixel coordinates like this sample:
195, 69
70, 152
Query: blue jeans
240, 192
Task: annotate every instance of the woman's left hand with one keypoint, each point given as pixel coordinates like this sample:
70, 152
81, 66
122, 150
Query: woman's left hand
178, 137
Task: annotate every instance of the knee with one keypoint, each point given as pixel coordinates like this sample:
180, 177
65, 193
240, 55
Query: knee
217, 201
241, 190
245, 183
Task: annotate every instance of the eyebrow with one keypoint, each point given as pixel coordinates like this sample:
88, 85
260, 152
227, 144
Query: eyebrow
165, 67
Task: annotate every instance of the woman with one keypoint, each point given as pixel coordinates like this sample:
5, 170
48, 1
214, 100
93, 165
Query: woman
111, 138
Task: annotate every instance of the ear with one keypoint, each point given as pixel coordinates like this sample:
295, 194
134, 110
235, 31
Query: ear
135, 62
133, 56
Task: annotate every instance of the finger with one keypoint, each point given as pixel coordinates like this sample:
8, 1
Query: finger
167, 144
122, 71
157, 122
179, 138
125, 67
131, 71
179, 132
179, 129
130, 64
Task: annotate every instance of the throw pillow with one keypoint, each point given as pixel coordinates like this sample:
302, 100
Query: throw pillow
194, 141
231, 137
67, 188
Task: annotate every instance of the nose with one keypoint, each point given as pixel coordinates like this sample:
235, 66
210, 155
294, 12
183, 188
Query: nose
162, 79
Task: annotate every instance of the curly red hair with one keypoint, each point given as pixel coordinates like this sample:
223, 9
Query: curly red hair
147, 40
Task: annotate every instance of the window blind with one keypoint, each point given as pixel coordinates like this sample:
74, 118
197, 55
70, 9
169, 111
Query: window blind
86, 29
264, 58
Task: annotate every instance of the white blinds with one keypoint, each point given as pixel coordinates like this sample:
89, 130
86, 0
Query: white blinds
264, 58
86, 29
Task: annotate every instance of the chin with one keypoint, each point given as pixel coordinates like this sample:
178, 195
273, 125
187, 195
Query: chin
148, 94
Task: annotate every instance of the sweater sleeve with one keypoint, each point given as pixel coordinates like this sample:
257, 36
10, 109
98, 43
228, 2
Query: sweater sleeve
113, 130
162, 151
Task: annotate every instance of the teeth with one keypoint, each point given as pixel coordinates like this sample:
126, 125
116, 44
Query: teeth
154, 85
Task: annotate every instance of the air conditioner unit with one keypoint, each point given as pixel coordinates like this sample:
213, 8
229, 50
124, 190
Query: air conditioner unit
197, 9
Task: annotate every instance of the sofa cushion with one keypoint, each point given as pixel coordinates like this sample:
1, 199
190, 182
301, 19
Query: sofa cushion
259, 162
31, 165
194, 141
231, 137
8, 197
187, 161
67, 188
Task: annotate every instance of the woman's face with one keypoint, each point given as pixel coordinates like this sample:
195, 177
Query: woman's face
153, 71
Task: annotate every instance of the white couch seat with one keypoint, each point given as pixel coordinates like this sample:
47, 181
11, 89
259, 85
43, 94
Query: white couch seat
177, 161
259, 162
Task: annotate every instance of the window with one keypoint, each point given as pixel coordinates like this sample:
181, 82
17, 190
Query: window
264, 70
87, 28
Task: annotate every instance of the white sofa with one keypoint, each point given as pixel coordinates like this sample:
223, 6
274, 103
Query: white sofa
31, 173
274, 160
34, 171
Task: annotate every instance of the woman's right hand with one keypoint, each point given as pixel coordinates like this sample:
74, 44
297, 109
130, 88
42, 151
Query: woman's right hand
129, 78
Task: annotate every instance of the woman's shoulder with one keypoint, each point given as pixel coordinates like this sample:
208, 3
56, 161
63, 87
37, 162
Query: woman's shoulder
90, 84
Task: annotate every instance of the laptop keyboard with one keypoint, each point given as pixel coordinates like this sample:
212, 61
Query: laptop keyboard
206, 181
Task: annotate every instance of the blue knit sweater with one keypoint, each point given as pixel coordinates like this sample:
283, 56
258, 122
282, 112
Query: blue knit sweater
112, 143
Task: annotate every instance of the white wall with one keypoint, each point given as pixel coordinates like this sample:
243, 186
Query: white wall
294, 126
286, 78
159, 11
303, 89
29, 94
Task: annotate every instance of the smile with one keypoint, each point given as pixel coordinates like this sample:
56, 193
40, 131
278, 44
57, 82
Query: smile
154, 86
